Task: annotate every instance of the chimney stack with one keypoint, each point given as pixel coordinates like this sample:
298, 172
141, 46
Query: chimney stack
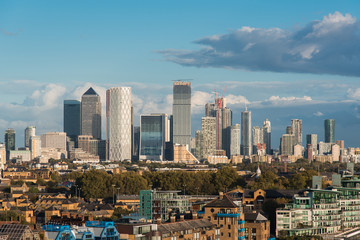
172, 219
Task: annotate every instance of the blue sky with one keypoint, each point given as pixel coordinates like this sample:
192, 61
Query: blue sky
286, 59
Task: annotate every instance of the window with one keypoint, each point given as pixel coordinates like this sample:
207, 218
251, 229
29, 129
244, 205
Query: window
229, 226
229, 234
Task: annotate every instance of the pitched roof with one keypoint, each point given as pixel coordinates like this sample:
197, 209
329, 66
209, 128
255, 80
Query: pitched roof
90, 91
184, 225
225, 201
255, 217
15, 231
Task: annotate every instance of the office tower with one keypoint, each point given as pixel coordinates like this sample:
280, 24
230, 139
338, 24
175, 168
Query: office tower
312, 140
329, 125
54, 140
223, 122
9, 141
208, 133
257, 138
266, 132
118, 114
288, 130
296, 129
287, 143
226, 127
246, 133
35, 147
91, 114
152, 137
136, 146
72, 118
198, 144
93, 146
181, 112
341, 143
29, 132
235, 140
325, 148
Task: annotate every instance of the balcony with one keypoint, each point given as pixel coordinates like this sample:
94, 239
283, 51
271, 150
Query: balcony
242, 237
241, 222
228, 214
242, 230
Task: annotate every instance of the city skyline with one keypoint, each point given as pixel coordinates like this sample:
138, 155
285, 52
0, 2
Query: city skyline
46, 62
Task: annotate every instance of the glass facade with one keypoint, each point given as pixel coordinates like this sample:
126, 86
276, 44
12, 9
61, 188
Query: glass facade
152, 137
182, 112
329, 125
246, 148
72, 118
91, 114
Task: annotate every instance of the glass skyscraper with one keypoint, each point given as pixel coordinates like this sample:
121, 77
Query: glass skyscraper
72, 110
91, 114
152, 136
9, 141
118, 125
30, 131
246, 148
329, 125
182, 112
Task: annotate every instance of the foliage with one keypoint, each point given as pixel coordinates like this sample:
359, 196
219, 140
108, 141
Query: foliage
33, 190
119, 212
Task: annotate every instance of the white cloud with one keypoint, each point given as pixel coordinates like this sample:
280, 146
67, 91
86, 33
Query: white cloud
314, 48
354, 93
318, 114
198, 101
286, 101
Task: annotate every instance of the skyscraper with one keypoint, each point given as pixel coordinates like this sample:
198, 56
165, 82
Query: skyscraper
235, 140
257, 138
29, 132
181, 112
9, 141
152, 136
266, 131
246, 133
72, 118
287, 143
35, 146
91, 114
312, 140
329, 125
208, 134
118, 124
296, 129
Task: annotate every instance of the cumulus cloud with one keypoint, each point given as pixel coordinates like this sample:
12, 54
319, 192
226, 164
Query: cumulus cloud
330, 45
286, 101
318, 114
354, 93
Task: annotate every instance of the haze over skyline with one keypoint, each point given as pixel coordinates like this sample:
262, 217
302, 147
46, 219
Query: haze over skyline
285, 61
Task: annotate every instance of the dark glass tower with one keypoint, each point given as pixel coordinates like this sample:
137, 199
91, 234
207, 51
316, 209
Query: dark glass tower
152, 137
329, 125
72, 110
9, 141
91, 114
182, 112
245, 147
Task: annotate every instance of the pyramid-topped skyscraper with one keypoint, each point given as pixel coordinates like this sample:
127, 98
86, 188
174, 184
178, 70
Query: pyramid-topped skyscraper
91, 114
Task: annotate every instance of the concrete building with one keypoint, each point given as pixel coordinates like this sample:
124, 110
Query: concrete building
22, 155
312, 140
246, 146
208, 133
153, 132
298, 150
235, 134
35, 147
335, 152
181, 112
2, 154
29, 132
91, 114
329, 125
257, 138
325, 148
72, 118
93, 146
183, 155
296, 130
118, 107
9, 141
198, 144
54, 140
287, 143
